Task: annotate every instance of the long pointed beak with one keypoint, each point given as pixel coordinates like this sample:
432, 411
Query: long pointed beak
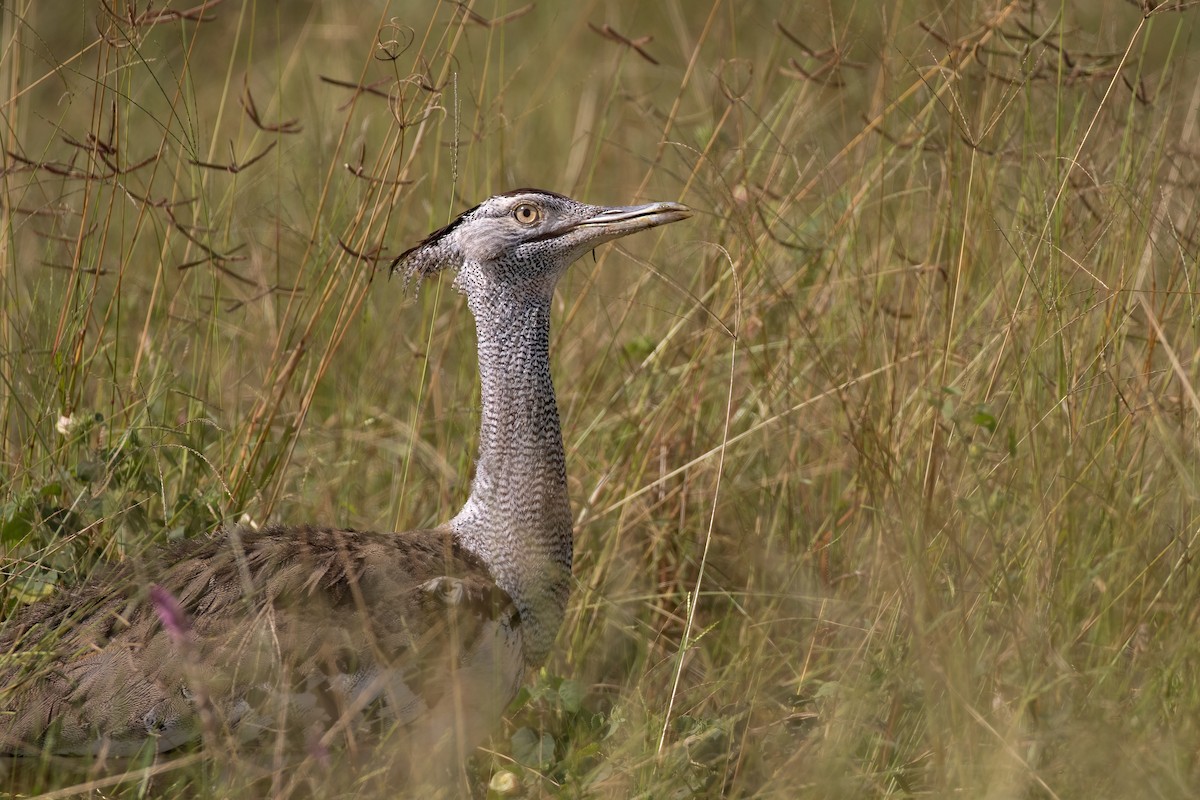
622, 220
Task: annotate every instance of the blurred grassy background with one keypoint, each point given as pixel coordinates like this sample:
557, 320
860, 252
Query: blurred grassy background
884, 464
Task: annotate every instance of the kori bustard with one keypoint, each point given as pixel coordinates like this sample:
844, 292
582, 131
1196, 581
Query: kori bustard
316, 630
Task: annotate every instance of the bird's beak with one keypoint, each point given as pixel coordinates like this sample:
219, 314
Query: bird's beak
610, 223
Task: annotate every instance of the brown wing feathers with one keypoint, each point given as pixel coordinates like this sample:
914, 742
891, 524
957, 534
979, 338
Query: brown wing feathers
258, 606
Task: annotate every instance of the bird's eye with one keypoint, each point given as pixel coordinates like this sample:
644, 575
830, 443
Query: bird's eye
527, 213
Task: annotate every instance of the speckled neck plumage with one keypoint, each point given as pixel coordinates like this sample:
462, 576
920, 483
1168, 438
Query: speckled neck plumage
518, 516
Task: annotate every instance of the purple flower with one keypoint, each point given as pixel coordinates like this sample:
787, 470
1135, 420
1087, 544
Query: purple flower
172, 616
317, 749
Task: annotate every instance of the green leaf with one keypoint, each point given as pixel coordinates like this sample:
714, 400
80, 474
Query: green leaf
587, 751
52, 489
684, 724
984, 420
16, 522
828, 689
639, 348
532, 750
89, 471
570, 695
34, 587
520, 701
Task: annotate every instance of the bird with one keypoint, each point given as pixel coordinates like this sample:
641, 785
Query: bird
315, 634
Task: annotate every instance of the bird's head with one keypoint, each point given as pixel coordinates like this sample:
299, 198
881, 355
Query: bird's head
525, 239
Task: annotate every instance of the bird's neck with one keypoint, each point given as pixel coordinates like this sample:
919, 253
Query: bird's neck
518, 517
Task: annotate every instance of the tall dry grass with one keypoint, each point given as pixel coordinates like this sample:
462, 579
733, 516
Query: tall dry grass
884, 464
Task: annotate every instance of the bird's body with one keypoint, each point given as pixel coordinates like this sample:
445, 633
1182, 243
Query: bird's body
311, 632
313, 624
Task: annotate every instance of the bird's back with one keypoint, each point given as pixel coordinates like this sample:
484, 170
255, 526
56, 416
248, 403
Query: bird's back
296, 632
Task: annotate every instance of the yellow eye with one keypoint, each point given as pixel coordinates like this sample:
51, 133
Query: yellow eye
527, 213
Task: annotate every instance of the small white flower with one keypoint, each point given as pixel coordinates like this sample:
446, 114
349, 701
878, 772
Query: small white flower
66, 424
504, 782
